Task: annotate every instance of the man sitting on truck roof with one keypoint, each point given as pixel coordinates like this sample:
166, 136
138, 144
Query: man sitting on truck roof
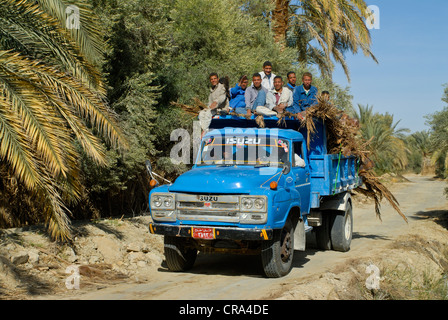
255, 97
218, 102
304, 96
291, 85
237, 102
279, 98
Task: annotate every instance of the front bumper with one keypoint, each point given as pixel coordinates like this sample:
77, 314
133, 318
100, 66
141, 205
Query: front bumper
227, 233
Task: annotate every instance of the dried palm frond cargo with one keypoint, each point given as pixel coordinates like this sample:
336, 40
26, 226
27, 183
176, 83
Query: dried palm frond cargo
259, 120
343, 136
194, 109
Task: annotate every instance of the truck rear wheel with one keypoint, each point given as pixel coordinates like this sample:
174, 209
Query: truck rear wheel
179, 256
277, 254
342, 230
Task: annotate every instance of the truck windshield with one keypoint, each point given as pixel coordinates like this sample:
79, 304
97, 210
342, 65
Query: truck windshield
244, 151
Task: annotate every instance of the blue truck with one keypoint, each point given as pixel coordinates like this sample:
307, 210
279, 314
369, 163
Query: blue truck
258, 191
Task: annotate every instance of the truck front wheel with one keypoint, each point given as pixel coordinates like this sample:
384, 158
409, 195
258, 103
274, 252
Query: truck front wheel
178, 255
342, 230
277, 254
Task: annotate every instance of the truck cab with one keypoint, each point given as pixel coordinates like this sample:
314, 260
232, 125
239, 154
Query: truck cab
251, 191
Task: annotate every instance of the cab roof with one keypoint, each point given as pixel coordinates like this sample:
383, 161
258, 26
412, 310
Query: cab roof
267, 132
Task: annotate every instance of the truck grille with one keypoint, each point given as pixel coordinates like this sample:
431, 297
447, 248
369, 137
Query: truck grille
191, 207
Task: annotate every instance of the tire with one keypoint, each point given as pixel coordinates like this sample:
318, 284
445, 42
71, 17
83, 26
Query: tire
178, 256
323, 237
277, 254
342, 230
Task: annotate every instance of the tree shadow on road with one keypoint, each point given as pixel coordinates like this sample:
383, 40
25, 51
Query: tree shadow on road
363, 235
439, 216
19, 284
85, 228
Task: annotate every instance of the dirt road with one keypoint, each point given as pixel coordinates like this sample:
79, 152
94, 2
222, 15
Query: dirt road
316, 274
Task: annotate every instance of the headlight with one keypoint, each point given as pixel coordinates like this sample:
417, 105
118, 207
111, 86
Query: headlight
162, 201
163, 207
259, 204
168, 202
157, 201
254, 204
254, 210
247, 203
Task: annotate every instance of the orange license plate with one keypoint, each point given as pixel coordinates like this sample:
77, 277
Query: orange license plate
203, 233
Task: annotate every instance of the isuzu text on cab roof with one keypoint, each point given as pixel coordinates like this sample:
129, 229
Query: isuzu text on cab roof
256, 191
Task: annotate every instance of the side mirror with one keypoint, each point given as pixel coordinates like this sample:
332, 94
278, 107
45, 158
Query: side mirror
154, 181
287, 167
148, 167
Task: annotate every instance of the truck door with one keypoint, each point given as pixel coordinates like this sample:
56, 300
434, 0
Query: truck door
301, 173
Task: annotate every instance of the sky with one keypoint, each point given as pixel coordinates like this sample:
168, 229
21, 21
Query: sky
411, 46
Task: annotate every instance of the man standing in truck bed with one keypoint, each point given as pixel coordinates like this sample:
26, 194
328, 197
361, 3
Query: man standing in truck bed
267, 77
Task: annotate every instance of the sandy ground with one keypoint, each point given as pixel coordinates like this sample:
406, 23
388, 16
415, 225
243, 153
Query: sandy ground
119, 259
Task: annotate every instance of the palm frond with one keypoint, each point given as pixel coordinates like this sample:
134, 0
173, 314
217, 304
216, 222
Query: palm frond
87, 34
52, 99
37, 34
337, 26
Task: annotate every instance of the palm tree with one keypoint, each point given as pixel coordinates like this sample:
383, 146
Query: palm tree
438, 122
420, 142
280, 19
323, 30
51, 99
387, 146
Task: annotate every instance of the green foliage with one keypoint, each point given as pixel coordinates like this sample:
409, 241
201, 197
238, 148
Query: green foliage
217, 36
387, 144
339, 96
438, 123
120, 185
137, 33
445, 94
418, 144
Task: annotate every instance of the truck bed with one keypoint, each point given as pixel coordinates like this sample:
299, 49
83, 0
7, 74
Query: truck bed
332, 174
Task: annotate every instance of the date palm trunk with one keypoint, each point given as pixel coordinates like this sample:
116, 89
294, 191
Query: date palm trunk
280, 18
